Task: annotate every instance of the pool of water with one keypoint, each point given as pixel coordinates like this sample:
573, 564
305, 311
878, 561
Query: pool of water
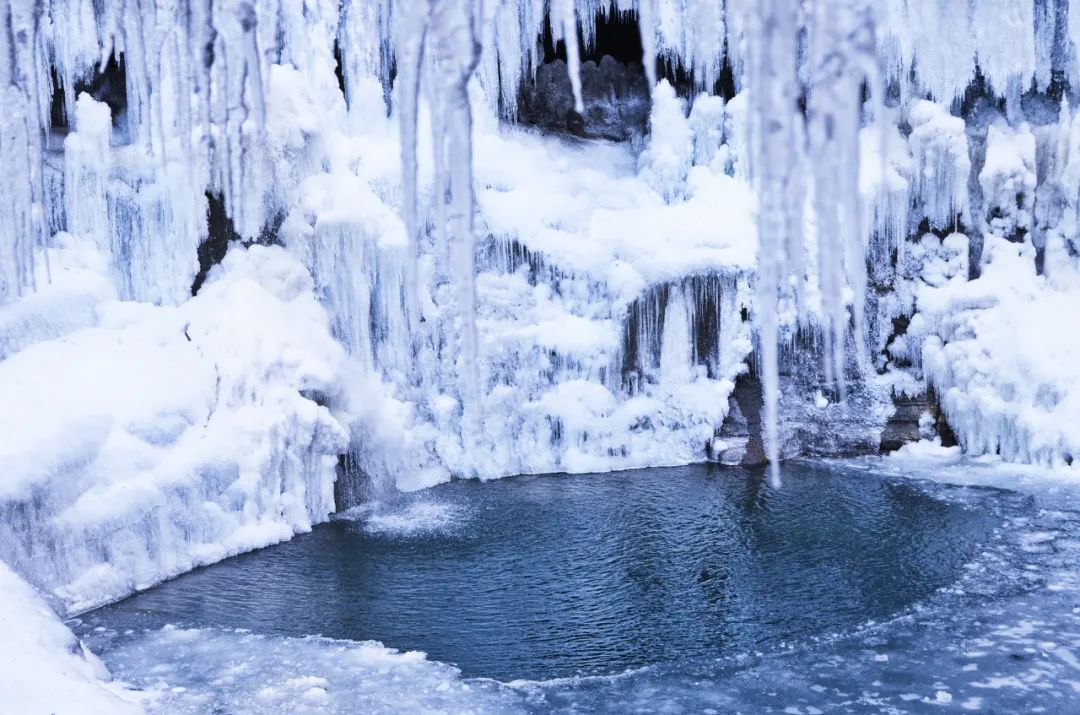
556, 576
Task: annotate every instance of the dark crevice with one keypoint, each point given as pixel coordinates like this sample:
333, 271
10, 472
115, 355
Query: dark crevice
339, 71
58, 118
748, 396
978, 91
109, 85
353, 485
269, 234
945, 432
617, 35
643, 328
220, 234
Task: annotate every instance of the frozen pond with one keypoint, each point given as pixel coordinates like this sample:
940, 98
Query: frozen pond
691, 588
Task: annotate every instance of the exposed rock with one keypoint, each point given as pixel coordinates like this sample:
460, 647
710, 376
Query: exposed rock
903, 427
615, 95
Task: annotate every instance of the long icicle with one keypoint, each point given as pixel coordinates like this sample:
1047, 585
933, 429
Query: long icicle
774, 97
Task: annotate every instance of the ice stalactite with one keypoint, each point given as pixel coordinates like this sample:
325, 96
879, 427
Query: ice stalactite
441, 47
821, 142
940, 44
776, 132
412, 34
676, 343
647, 27
241, 100
21, 145
842, 62
564, 25
1057, 206
939, 144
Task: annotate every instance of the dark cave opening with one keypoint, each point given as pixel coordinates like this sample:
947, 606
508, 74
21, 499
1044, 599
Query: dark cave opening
617, 35
58, 118
615, 90
106, 84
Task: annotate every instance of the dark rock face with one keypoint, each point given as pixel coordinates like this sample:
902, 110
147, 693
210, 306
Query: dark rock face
744, 420
903, 426
811, 419
616, 98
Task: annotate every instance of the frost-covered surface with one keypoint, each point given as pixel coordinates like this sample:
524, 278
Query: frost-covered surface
159, 438
505, 307
44, 668
576, 242
253, 673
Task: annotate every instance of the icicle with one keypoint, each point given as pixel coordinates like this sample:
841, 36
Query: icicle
707, 30
841, 57
565, 18
835, 79
676, 341
439, 43
774, 108
22, 122
647, 28
412, 34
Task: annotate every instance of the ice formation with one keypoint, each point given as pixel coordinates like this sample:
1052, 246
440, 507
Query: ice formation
176, 436
852, 204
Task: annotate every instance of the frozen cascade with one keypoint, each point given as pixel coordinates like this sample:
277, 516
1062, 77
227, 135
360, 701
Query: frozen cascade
508, 302
676, 342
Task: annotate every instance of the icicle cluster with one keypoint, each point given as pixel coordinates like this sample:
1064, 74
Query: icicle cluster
238, 104
817, 151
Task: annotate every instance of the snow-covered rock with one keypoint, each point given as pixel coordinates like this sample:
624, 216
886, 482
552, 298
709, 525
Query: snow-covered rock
161, 438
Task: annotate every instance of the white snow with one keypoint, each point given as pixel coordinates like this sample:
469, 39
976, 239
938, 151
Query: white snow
1002, 355
161, 438
43, 666
271, 674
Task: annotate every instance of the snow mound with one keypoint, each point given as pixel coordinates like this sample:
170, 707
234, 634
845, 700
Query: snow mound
161, 438
44, 668
1003, 354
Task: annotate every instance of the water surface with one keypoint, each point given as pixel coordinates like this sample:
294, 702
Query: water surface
553, 576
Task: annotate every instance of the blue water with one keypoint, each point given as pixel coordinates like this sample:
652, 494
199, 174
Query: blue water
554, 576
854, 588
